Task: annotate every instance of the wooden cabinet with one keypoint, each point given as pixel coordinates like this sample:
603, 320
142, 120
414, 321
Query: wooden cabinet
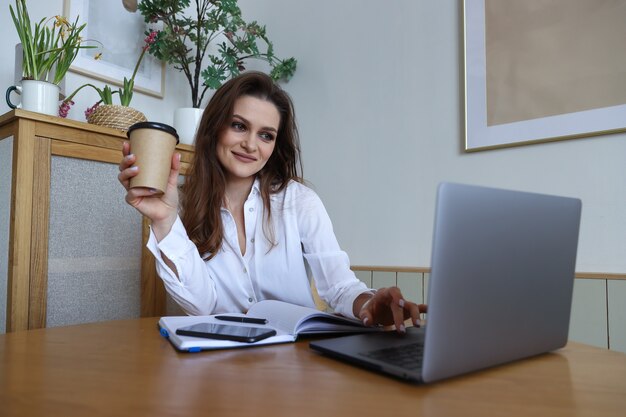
69, 244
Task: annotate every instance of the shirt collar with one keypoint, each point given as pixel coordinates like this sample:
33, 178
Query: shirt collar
256, 186
256, 190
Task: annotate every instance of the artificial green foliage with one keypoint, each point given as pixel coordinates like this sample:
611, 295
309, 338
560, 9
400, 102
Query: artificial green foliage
209, 42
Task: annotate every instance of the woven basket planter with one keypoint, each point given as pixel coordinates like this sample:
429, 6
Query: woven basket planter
116, 117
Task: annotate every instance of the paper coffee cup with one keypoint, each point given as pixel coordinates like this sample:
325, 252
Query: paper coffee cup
153, 145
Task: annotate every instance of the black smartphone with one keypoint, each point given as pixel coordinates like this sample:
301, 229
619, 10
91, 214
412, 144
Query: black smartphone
245, 334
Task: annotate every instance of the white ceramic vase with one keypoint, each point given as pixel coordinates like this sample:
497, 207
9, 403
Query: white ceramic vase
186, 121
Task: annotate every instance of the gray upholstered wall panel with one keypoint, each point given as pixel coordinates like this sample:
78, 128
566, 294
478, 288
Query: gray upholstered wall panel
6, 169
94, 256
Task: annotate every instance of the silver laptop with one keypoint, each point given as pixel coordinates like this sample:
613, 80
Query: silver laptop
500, 289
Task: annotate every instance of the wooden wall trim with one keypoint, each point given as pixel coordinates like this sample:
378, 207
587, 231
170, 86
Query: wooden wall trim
425, 270
600, 275
409, 269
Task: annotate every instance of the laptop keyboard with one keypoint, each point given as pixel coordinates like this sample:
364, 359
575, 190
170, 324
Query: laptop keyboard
405, 356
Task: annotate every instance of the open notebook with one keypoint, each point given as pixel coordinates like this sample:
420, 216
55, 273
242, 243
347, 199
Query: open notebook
289, 321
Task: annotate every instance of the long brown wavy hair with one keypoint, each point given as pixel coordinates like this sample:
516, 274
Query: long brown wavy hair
203, 192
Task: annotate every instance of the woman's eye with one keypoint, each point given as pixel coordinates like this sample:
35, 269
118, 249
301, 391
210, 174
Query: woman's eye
266, 136
238, 126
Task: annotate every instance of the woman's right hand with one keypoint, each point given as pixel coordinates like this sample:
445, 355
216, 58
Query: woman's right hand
161, 209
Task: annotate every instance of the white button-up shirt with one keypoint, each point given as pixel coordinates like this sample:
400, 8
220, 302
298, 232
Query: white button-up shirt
306, 247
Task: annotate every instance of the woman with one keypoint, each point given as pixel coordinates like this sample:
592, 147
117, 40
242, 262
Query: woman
248, 229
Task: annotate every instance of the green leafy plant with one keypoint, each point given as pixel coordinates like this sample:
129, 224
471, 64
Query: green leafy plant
106, 93
209, 42
49, 47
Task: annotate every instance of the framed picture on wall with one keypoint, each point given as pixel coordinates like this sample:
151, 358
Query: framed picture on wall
538, 71
120, 35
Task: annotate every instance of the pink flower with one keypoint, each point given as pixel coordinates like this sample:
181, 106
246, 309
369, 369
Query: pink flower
150, 39
90, 110
64, 108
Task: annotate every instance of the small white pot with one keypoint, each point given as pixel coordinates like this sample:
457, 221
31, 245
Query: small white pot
38, 96
186, 121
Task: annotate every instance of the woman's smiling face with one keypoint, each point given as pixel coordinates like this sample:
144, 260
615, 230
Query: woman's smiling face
247, 142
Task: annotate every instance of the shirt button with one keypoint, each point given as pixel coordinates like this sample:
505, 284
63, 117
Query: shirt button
251, 209
245, 271
252, 240
250, 299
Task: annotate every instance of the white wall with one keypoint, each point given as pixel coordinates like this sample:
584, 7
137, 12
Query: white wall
380, 104
379, 100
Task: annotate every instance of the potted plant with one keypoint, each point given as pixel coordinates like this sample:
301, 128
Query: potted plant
210, 43
104, 112
49, 48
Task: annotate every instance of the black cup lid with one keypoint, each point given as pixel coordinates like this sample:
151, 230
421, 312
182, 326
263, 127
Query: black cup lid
154, 125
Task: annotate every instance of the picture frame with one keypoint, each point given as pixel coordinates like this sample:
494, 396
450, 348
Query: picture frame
534, 71
120, 36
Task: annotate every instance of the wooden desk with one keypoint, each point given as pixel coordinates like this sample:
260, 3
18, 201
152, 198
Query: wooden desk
125, 368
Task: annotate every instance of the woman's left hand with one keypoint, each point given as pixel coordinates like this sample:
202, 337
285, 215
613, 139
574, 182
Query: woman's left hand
387, 306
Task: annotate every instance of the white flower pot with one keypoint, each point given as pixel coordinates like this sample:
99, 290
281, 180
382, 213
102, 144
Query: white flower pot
37, 96
186, 121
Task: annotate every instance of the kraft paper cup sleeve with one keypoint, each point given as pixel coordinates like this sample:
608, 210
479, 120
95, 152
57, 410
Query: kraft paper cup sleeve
153, 145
